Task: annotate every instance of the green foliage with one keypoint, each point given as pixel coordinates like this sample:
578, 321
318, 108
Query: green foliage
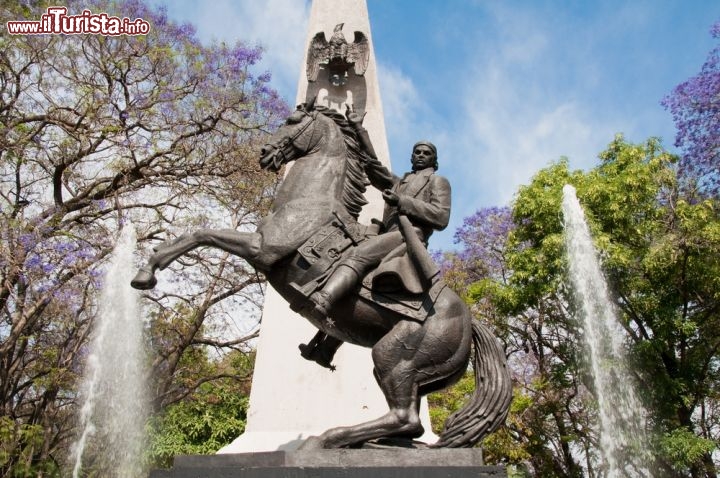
660, 251
498, 446
684, 448
210, 418
503, 446
211, 415
659, 244
19, 444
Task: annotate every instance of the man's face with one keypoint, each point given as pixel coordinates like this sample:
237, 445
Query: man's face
422, 157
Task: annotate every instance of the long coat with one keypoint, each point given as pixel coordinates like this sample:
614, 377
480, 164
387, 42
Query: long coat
424, 198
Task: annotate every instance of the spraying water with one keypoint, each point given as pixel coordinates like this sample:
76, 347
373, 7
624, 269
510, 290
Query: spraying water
622, 416
113, 414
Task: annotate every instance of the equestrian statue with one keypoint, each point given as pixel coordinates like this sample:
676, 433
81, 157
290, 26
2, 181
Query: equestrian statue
371, 285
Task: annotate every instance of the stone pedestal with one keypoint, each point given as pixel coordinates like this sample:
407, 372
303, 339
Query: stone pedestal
406, 463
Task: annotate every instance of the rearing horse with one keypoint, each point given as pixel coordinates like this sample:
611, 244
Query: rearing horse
411, 358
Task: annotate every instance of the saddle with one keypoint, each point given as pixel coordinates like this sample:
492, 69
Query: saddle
396, 284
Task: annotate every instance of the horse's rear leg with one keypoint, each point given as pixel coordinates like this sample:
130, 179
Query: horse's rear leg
242, 244
396, 371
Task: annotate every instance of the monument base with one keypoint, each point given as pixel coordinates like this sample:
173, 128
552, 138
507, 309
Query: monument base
345, 463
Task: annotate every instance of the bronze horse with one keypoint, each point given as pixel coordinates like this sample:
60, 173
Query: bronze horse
323, 192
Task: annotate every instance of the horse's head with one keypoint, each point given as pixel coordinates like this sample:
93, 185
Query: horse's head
291, 140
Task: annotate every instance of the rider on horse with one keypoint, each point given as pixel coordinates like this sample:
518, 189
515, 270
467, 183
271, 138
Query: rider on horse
416, 349
420, 195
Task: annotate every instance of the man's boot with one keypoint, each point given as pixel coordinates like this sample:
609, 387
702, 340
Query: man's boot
321, 349
341, 281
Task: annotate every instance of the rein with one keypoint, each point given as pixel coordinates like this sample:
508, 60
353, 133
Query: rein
284, 148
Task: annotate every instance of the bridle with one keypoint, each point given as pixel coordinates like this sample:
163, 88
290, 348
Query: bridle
285, 147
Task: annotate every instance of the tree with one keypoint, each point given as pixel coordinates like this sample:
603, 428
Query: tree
660, 246
96, 131
695, 107
547, 418
212, 416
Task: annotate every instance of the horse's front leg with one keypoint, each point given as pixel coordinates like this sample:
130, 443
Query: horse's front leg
242, 244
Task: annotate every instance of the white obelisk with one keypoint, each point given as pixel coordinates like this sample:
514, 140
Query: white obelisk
292, 398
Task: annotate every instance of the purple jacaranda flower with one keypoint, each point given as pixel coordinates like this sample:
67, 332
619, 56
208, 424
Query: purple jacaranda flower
715, 30
134, 7
695, 108
166, 95
63, 247
264, 90
33, 262
245, 55
98, 280
483, 238
187, 30
87, 253
27, 241
70, 259
43, 288
159, 17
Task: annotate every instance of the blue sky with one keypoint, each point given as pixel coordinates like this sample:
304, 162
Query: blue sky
503, 88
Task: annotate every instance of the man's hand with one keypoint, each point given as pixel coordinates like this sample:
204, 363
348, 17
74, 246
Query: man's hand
354, 118
390, 197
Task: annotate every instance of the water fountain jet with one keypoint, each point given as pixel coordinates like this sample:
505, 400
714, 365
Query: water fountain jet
622, 416
113, 414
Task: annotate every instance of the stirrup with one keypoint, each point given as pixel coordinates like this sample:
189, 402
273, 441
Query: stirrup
321, 302
315, 308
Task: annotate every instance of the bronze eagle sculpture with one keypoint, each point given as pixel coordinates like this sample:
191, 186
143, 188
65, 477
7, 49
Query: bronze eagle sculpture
337, 55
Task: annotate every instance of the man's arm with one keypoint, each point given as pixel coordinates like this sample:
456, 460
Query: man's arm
380, 177
433, 211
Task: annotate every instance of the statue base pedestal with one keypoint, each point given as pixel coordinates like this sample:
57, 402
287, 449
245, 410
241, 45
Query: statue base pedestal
345, 463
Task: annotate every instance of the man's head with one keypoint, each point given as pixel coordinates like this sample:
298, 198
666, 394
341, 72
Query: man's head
424, 155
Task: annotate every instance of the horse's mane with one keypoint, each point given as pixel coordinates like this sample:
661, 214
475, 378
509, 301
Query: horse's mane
356, 181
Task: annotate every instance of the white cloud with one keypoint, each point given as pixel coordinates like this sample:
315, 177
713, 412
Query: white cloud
520, 131
401, 105
279, 27
409, 117
276, 25
519, 124
509, 124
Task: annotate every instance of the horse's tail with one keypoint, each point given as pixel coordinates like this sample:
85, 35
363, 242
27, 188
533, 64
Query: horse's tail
489, 405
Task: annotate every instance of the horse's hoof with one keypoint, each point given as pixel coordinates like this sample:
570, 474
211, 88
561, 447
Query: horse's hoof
144, 279
312, 443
